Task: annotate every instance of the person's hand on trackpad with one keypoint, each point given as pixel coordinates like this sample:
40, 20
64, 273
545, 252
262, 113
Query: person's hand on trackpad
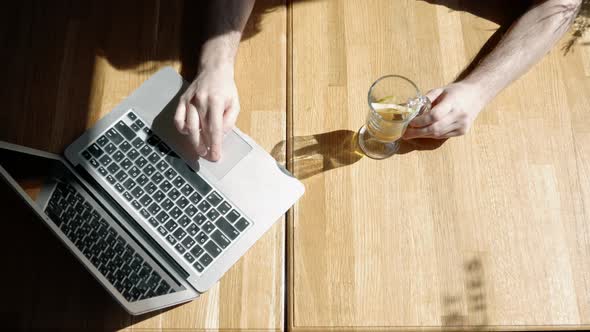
208, 109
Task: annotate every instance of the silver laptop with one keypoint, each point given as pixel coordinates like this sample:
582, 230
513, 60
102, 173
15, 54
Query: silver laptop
153, 223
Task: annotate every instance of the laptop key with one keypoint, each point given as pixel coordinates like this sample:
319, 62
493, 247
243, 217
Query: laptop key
197, 251
212, 249
94, 163
103, 171
119, 187
140, 162
178, 181
205, 260
102, 140
146, 200
162, 166
162, 149
114, 136
242, 224
184, 221
208, 227
105, 159
144, 213
157, 178
204, 206
137, 143
198, 267
187, 189
180, 248
153, 140
179, 233
200, 218
126, 164
170, 225
188, 242
125, 130
137, 192
182, 202
214, 198
131, 116
162, 230
153, 157
134, 127
95, 150
139, 123
151, 188
165, 186
153, 222
227, 228
167, 204
159, 196
86, 155
202, 238
149, 170
173, 194
132, 154
192, 229
170, 174
113, 168
232, 216
125, 146
145, 150
190, 258
136, 205
142, 180
118, 156
162, 217
128, 196
212, 214
175, 212
110, 148
221, 239
129, 184
224, 208
154, 208
195, 198
121, 176
171, 239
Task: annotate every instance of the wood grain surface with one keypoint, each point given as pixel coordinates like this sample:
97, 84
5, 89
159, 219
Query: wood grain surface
486, 231
67, 64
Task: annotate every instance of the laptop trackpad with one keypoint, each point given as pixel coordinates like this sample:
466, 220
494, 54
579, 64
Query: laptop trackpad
233, 150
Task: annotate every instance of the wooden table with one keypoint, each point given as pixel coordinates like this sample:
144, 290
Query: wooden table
490, 230
487, 231
69, 64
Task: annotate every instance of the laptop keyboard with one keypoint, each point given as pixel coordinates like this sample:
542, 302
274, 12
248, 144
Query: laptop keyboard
109, 252
193, 218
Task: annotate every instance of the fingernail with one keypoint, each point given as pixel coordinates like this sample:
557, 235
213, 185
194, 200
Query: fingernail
214, 155
202, 152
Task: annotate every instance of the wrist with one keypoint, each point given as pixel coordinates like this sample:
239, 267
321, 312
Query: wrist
481, 87
219, 52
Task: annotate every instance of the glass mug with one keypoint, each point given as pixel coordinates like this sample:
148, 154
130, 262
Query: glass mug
393, 102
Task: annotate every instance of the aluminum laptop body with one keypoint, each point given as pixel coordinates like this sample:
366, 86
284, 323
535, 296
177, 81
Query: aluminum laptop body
157, 215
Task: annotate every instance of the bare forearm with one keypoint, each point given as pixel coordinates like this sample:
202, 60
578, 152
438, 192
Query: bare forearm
525, 43
228, 19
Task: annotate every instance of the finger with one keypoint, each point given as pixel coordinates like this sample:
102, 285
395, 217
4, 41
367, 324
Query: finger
215, 126
454, 133
230, 116
435, 130
203, 143
180, 116
193, 125
434, 94
438, 112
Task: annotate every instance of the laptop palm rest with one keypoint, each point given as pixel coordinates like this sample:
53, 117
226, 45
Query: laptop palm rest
233, 150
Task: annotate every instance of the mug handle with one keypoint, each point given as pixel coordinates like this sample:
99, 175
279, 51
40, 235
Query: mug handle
423, 105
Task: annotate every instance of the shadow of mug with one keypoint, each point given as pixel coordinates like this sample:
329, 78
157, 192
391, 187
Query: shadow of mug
314, 154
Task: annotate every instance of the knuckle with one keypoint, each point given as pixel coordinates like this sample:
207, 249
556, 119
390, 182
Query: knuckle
435, 116
201, 96
215, 99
